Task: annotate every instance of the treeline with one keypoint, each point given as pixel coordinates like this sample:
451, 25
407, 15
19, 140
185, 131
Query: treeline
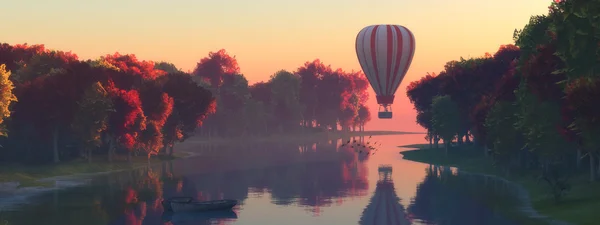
532, 105
315, 97
55, 107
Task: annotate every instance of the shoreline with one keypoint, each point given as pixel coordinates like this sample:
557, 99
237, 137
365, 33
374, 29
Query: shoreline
29, 184
530, 197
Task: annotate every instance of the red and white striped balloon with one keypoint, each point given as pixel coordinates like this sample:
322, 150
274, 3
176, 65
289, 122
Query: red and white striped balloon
385, 53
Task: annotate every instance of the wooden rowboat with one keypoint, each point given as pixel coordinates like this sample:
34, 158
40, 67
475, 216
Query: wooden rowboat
187, 204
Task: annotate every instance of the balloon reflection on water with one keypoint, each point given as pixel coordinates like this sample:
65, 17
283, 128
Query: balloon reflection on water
384, 207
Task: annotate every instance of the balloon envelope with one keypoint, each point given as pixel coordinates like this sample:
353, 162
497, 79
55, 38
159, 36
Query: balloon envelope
385, 53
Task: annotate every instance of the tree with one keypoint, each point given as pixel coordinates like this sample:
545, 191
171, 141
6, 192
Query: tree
364, 116
157, 106
311, 74
215, 66
501, 132
91, 119
6, 97
581, 94
285, 92
445, 118
166, 67
191, 105
127, 122
421, 93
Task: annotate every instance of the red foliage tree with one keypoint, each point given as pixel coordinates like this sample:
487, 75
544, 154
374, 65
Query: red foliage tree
539, 73
157, 106
128, 120
129, 63
14, 56
215, 66
191, 105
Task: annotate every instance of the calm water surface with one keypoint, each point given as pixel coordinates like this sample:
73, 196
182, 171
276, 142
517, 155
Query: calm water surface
291, 184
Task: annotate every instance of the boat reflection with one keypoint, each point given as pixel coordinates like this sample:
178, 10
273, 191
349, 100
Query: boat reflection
197, 217
384, 207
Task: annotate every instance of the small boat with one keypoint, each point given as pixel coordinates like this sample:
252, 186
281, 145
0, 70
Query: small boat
188, 204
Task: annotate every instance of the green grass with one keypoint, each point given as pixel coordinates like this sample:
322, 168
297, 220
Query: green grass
581, 206
28, 175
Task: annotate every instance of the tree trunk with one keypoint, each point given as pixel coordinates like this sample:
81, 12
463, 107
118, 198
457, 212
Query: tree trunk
598, 174
467, 139
129, 156
55, 144
171, 148
89, 151
447, 146
436, 141
578, 160
592, 167
430, 140
486, 149
111, 148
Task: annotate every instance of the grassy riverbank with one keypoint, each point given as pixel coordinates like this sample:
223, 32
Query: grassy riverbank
579, 207
28, 175
31, 175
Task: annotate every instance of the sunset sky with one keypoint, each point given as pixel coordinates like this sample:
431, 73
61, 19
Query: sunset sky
267, 35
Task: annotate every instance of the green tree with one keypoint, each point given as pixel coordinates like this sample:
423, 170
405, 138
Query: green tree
167, 67
91, 119
445, 119
501, 132
285, 89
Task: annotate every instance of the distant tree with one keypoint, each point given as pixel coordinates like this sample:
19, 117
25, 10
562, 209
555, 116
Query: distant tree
285, 97
311, 74
166, 67
215, 66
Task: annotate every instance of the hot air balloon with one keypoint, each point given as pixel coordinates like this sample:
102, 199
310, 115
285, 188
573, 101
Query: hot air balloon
385, 53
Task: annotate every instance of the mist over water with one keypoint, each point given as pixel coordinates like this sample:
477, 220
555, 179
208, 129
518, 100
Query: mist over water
283, 183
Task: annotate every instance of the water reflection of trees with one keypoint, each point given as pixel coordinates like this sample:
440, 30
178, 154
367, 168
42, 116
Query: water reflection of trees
447, 197
384, 208
312, 175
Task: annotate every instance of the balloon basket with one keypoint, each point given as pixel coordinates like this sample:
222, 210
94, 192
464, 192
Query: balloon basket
385, 115
385, 112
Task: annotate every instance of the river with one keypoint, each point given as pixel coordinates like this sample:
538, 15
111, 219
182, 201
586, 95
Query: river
284, 183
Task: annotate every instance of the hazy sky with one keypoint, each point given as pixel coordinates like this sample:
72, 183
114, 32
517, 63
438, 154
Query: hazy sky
267, 35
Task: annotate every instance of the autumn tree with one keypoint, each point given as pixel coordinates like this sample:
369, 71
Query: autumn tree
6, 97
215, 66
127, 122
191, 105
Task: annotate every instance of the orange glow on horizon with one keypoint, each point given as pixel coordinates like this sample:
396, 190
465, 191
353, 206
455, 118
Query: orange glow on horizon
267, 35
